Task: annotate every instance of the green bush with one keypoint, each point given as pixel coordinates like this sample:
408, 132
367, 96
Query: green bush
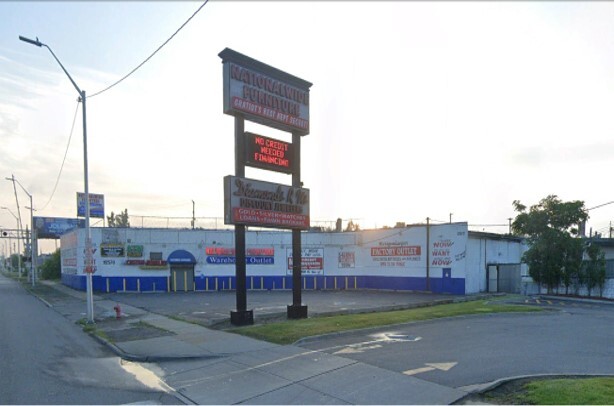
51, 268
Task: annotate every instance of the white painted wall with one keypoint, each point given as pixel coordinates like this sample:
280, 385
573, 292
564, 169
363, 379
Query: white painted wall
483, 250
341, 254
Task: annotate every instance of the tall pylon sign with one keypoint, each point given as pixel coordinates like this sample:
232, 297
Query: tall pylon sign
263, 94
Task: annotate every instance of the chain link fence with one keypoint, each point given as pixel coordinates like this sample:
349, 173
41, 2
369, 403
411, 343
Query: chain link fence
207, 223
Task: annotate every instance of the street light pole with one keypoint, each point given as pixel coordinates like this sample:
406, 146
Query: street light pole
32, 268
18, 238
12, 178
89, 269
33, 245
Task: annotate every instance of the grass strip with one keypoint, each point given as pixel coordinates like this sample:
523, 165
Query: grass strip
91, 328
571, 390
287, 332
583, 391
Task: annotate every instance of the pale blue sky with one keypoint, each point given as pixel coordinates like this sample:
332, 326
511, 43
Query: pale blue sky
417, 108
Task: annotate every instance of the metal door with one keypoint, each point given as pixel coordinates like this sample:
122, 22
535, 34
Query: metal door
492, 278
446, 280
509, 278
182, 278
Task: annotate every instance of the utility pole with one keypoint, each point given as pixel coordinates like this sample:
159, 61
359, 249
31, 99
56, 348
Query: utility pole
18, 241
193, 214
12, 178
509, 220
428, 259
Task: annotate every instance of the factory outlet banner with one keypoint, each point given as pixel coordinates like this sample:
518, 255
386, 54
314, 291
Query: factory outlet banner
405, 250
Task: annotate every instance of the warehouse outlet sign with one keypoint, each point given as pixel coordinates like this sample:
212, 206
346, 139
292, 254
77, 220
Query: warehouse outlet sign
264, 94
265, 204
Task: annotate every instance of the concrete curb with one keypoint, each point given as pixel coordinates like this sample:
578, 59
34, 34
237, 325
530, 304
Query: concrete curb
221, 323
311, 339
576, 299
149, 358
49, 305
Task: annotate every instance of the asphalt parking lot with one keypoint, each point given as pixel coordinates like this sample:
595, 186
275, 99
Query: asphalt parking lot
211, 308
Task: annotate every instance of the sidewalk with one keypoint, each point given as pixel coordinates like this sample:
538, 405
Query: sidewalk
237, 369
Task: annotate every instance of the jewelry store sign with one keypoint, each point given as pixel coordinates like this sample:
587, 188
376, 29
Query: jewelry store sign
265, 204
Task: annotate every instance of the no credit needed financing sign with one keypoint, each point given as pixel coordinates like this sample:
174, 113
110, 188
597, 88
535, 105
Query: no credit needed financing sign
268, 153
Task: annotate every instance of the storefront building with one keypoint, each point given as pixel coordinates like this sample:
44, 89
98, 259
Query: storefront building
442, 258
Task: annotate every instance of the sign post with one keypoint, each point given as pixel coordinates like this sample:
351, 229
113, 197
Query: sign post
265, 95
296, 310
241, 316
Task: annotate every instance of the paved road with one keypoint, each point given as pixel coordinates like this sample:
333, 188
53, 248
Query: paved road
427, 362
474, 350
46, 359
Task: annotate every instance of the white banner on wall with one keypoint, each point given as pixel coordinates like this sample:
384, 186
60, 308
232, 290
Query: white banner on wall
312, 261
403, 252
346, 259
448, 247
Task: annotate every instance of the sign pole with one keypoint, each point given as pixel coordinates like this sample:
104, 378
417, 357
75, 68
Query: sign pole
428, 248
241, 316
296, 310
266, 95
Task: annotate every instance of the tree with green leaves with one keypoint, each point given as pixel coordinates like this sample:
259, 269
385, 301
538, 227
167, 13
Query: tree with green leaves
572, 263
594, 268
120, 220
52, 267
551, 228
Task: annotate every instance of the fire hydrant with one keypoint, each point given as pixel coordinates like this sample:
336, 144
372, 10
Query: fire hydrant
118, 311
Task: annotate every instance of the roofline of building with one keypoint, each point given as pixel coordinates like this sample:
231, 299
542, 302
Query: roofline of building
494, 236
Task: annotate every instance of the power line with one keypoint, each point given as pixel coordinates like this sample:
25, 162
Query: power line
601, 205
64, 160
150, 56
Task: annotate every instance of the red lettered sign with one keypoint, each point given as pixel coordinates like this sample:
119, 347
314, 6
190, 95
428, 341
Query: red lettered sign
268, 153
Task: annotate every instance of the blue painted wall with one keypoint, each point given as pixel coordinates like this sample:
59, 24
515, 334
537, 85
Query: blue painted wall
317, 282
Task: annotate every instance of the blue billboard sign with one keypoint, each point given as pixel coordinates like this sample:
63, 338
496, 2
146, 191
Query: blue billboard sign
54, 227
96, 205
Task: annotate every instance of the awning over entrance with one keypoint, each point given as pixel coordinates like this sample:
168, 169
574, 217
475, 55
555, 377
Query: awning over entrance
181, 257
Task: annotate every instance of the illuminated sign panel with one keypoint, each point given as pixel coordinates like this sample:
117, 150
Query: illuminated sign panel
265, 204
268, 153
264, 94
